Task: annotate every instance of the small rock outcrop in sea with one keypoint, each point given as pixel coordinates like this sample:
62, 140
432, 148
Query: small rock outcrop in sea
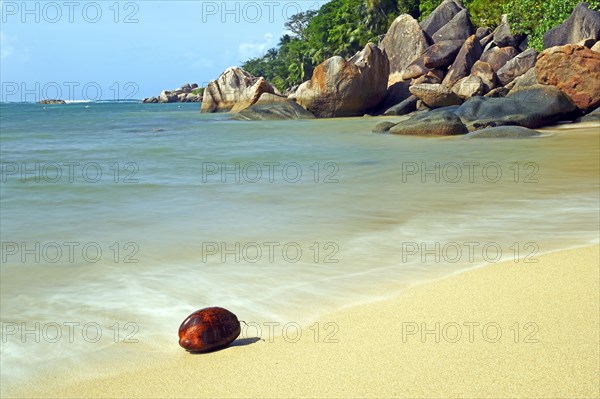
234, 91
593, 116
185, 94
503, 132
51, 101
575, 70
346, 88
434, 123
582, 24
533, 107
208, 330
273, 107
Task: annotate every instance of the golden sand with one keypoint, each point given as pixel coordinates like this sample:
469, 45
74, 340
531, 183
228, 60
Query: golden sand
547, 314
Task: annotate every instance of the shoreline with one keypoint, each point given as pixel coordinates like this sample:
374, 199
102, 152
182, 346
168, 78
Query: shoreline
371, 338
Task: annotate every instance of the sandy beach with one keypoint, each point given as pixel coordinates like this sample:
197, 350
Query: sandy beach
505, 330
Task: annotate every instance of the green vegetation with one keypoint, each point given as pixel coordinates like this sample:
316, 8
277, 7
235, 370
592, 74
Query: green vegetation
199, 90
536, 17
343, 27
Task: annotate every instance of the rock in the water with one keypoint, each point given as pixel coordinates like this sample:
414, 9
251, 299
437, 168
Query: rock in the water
466, 58
468, 87
234, 91
383, 127
405, 107
186, 88
150, 100
533, 107
208, 330
51, 101
403, 43
593, 116
517, 66
441, 16
484, 71
497, 57
442, 123
575, 70
582, 24
272, 107
442, 53
503, 35
435, 96
167, 96
346, 88
503, 132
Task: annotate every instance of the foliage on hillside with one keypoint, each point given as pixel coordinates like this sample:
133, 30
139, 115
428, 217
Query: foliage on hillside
536, 17
343, 27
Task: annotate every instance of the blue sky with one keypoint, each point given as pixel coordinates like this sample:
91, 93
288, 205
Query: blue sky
79, 49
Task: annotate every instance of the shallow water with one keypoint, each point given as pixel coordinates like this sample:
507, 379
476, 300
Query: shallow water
166, 210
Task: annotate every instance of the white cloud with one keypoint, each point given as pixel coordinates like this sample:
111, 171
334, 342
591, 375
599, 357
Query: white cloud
251, 50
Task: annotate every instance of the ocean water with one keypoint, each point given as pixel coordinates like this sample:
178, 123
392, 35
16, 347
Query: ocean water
120, 219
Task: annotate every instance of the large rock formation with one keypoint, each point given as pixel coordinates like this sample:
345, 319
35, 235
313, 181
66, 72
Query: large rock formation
503, 132
468, 87
503, 36
405, 107
575, 70
533, 107
459, 28
442, 53
442, 123
435, 95
346, 88
466, 58
403, 43
582, 24
187, 93
441, 16
497, 57
52, 102
484, 71
234, 91
272, 107
517, 66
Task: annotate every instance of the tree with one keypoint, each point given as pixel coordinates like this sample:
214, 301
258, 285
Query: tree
536, 17
298, 22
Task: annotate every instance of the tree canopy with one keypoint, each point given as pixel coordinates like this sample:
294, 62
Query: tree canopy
343, 27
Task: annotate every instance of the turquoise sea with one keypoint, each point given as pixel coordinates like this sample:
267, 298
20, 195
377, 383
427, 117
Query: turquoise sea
120, 219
